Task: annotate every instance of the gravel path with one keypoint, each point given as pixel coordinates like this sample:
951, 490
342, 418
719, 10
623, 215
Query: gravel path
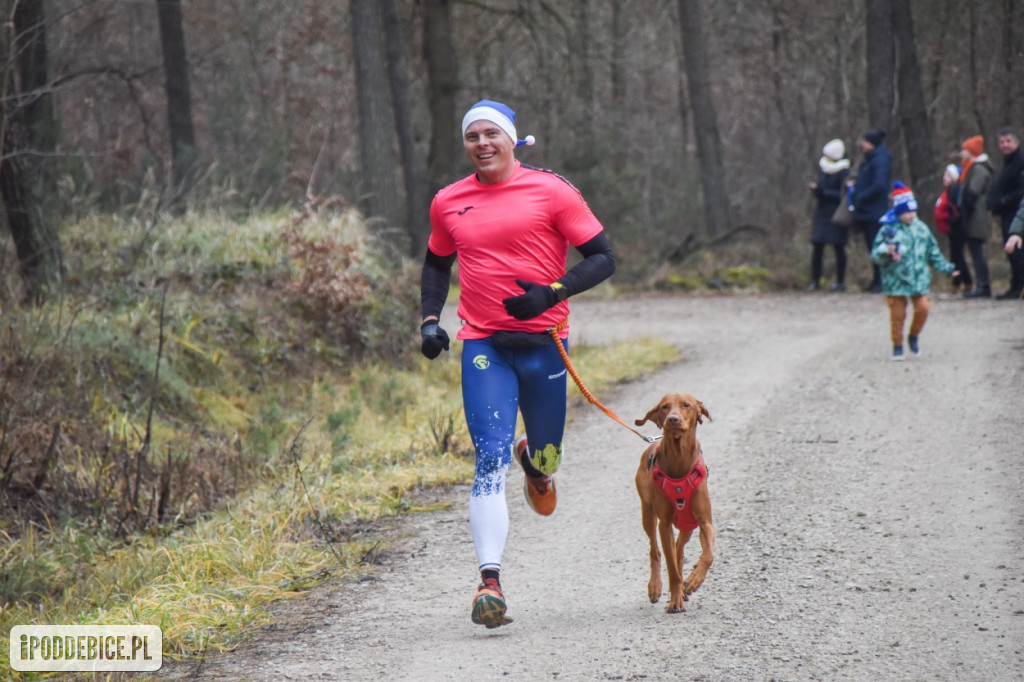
869, 517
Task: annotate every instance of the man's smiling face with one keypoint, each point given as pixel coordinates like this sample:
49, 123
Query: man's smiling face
489, 149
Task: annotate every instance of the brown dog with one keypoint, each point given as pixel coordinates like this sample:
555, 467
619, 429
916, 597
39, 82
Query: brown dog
673, 487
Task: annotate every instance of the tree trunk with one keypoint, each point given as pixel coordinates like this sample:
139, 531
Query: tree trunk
179, 100
417, 218
179, 122
914, 123
439, 54
585, 74
705, 120
881, 59
27, 128
1011, 57
617, 114
380, 197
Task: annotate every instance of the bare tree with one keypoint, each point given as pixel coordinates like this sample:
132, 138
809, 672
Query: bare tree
880, 46
914, 123
592, 80
380, 199
179, 99
617, 78
439, 55
1010, 55
417, 223
580, 37
27, 128
705, 120
895, 95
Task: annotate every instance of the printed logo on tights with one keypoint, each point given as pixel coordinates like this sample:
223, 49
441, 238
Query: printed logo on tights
465, 210
481, 362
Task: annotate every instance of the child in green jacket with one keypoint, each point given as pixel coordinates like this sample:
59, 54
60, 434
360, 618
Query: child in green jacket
905, 250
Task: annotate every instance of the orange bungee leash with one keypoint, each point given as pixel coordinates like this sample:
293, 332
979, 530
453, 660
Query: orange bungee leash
553, 331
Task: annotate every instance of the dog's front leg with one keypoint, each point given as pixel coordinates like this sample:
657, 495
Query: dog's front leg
700, 569
674, 567
650, 523
702, 514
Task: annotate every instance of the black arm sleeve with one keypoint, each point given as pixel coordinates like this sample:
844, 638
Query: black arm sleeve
435, 280
598, 264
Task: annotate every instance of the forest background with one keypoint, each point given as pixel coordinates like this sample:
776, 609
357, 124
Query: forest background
215, 212
680, 121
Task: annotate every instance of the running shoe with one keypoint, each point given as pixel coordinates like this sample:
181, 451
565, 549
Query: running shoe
538, 489
489, 605
915, 349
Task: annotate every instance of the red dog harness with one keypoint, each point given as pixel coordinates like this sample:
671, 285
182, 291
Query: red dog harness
679, 491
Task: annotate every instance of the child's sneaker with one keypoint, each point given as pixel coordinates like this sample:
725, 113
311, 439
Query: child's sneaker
489, 605
538, 489
897, 353
914, 348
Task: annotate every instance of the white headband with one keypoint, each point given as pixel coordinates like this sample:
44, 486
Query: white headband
493, 115
489, 114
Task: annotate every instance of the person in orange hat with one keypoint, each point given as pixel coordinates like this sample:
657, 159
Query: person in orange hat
975, 180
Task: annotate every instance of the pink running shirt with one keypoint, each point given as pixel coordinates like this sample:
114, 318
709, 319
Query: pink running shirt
519, 228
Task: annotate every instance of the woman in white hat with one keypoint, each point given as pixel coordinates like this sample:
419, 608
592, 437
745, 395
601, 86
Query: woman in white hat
829, 190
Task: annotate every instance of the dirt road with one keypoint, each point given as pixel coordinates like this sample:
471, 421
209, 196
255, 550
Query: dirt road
869, 516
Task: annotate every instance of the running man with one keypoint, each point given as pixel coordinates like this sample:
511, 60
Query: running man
510, 226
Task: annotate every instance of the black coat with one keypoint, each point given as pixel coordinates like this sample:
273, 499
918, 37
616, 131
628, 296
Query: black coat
872, 186
831, 188
1008, 188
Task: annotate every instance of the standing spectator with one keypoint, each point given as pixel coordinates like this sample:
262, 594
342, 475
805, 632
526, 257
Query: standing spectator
1003, 199
945, 206
975, 181
829, 190
510, 226
870, 195
905, 249
947, 222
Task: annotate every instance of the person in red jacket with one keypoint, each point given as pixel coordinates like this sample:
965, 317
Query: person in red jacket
945, 206
947, 222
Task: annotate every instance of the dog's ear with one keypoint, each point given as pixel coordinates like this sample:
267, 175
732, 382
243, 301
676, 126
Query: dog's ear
652, 415
703, 412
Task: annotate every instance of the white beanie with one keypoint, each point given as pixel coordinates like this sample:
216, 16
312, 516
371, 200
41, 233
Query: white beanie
834, 149
498, 114
954, 171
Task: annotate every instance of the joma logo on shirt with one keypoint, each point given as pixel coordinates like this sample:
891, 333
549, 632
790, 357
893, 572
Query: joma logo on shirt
463, 211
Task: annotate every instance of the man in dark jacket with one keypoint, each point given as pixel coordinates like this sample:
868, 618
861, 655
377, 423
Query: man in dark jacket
1003, 200
870, 195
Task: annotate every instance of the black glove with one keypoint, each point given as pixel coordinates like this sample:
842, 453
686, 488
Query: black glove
434, 338
536, 300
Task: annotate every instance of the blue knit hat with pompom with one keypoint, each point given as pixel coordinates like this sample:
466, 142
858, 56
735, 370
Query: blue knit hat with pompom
498, 114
